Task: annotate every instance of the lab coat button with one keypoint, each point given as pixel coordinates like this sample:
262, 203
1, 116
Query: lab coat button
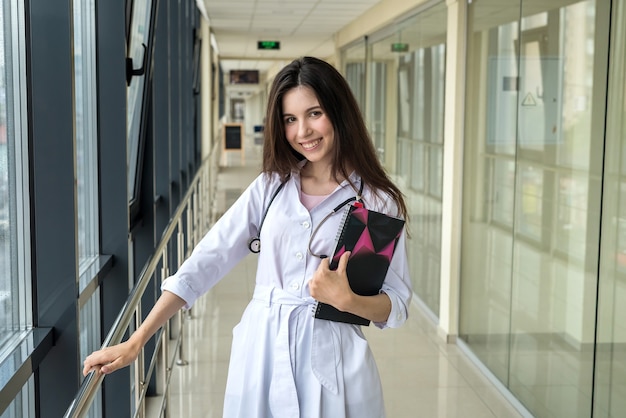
306, 224
299, 256
294, 285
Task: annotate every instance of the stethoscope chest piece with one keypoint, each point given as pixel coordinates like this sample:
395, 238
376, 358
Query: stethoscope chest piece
255, 245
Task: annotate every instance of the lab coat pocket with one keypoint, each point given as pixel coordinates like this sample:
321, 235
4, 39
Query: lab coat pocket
248, 370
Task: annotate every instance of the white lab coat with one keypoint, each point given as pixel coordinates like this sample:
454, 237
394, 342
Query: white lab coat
285, 363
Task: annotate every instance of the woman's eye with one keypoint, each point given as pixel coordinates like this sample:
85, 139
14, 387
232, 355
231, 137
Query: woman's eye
290, 119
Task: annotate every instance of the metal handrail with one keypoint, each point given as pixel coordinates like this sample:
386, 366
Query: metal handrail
203, 183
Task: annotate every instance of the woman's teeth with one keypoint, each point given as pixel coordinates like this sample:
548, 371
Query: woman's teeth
311, 145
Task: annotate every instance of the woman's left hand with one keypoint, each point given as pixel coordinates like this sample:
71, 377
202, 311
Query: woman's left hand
331, 286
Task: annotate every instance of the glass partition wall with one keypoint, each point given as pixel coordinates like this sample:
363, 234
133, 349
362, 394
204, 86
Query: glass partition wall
397, 76
419, 85
532, 193
353, 60
543, 244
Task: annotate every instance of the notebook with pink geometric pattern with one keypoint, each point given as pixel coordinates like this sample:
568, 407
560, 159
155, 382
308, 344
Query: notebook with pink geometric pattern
372, 238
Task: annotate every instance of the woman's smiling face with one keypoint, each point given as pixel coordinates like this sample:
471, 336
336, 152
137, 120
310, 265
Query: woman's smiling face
307, 128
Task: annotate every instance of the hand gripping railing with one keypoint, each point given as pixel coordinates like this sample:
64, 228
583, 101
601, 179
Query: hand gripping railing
196, 206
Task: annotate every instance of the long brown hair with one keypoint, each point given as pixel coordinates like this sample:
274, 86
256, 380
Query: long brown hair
353, 145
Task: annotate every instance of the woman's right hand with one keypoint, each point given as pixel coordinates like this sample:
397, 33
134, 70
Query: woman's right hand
112, 358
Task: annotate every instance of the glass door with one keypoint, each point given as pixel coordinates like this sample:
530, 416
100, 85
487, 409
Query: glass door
610, 354
534, 155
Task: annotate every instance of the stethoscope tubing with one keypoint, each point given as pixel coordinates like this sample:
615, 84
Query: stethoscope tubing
325, 218
254, 244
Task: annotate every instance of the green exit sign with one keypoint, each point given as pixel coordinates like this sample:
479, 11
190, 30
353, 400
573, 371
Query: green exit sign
268, 45
399, 47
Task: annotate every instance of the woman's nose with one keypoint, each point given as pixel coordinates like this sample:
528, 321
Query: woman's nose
303, 130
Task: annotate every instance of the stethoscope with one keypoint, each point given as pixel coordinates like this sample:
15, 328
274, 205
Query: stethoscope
254, 244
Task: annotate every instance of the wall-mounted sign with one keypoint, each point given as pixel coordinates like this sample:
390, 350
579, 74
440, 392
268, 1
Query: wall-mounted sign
268, 45
244, 76
399, 47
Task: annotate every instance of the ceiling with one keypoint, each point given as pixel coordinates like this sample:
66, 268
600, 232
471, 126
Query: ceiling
308, 27
301, 27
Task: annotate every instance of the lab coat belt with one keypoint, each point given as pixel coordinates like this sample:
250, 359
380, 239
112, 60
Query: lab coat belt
271, 294
324, 349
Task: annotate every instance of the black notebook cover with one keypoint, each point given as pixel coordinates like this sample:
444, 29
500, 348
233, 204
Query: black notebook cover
372, 238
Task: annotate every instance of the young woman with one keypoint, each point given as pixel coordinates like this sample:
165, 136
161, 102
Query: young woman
284, 362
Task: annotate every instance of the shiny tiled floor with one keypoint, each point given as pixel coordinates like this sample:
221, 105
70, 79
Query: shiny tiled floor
422, 375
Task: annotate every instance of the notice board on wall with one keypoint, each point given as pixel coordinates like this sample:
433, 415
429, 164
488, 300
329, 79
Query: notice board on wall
233, 136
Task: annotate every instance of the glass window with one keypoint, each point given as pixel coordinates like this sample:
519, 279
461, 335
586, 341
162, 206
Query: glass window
438, 76
138, 51
417, 97
86, 132
435, 171
403, 161
376, 108
23, 405
404, 97
90, 337
5, 255
502, 191
531, 200
354, 64
14, 280
501, 108
417, 167
86, 172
